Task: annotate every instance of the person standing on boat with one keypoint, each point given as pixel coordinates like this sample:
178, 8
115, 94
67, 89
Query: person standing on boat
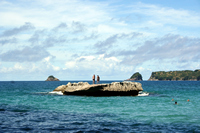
93, 78
98, 79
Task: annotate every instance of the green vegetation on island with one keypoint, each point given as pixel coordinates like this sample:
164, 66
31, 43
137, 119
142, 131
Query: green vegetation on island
175, 75
136, 76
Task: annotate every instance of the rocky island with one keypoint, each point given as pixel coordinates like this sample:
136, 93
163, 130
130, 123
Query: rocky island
135, 77
112, 89
52, 78
175, 75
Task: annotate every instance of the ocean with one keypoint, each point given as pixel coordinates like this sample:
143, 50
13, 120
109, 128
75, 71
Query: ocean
27, 106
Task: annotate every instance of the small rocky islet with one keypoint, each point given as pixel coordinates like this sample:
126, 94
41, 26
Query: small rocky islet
112, 89
52, 78
135, 77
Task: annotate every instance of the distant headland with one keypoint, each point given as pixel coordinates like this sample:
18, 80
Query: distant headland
52, 78
175, 75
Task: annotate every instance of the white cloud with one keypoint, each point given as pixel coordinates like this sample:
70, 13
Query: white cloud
26, 27
27, 54
101, 56
47, 63
103, 29
56, 68
112, 59
5, 70
87, 58
166, 47
70, 64
166, 15
93, 64
41, 13
47, 59
16, 67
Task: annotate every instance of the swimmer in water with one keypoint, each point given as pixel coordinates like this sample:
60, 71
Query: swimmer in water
175, 102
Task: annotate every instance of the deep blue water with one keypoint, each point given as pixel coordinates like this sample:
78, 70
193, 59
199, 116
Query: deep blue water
26, 106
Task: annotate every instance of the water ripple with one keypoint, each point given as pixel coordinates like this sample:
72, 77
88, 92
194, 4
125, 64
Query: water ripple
50, 121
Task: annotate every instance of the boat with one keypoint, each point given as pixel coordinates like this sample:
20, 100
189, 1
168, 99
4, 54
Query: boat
140, 93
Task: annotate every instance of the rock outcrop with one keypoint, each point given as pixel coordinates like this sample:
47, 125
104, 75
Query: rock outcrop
135, 77
52, 78
113, 89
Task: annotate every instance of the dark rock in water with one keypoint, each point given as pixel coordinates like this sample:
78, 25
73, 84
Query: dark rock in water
113, 89
135, 77
52, 78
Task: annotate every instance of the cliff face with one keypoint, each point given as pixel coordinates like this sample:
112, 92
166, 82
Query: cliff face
52, 78
113, 89
135, 77
175, 75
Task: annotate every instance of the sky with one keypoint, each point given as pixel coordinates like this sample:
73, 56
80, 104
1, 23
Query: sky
74, 39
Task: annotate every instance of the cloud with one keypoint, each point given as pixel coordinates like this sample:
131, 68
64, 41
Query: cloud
60, 26
165, 15
87, 58
78, 27
111, 41
62, 34
78, 60
16, 67
32, 46
108, 43
167, 47
112, 59
19, 68
92, 64
46, 63
27, 26
47, 38
93, 35
131, 35
49, 13
8, 41
27, 54
37, 37
70, 65
51, 41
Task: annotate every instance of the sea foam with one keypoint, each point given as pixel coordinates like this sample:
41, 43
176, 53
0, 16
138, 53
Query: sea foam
56, 92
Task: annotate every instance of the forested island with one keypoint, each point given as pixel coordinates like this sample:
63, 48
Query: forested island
176, 75
135, 77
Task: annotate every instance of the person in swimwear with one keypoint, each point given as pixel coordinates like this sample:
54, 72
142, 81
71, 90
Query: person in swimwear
98, 79
93, 78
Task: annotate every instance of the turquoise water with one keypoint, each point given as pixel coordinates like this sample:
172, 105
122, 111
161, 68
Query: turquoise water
26, 106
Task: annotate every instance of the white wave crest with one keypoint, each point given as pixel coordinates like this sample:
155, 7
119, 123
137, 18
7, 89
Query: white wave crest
56, 92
